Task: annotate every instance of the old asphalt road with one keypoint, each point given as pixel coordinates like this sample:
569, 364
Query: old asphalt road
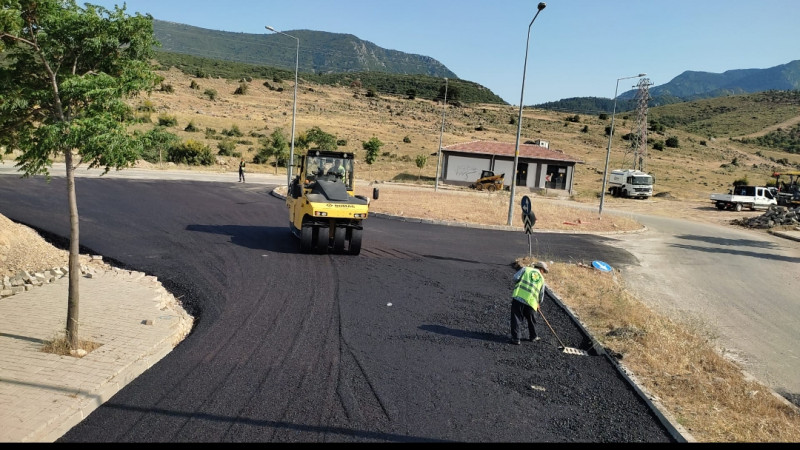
742, 285
404, 343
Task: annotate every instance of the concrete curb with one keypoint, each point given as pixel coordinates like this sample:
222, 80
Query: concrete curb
678, 432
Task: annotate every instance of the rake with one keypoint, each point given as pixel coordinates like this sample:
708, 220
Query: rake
564, 348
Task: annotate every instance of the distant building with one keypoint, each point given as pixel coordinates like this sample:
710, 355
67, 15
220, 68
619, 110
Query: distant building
538, 167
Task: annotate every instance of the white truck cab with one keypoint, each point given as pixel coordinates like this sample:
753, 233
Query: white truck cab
739, 197
630, 183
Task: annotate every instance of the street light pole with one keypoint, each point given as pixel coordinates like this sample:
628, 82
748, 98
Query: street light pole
611, 135
540, 7
439, 155
294, 105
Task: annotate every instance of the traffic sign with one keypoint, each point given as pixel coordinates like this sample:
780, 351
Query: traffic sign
526, 205
529, 220
601, 266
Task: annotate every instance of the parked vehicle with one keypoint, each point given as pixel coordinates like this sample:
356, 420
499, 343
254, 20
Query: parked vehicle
744, 197
788, 194
630, 183
489, 181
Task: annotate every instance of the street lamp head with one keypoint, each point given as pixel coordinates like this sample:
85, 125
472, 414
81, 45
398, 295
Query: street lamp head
642, 74
541, 6
270, 28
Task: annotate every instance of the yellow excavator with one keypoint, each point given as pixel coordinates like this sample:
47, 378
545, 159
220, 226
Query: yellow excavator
324, 213
489, 181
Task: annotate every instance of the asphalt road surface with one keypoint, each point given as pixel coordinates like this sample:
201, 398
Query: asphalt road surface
406, 342
739, 286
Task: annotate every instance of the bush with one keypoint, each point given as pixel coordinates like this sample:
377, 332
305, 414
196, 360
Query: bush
194, 85
146, 106
407, 140
658, 145
585, 129
191, 128
165, 120
211, 94
226, 147
603, 116
233, 132
341, 142
672, 142
190, 152
167, 88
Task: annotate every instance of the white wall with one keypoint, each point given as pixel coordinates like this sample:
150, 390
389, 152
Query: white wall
506, 167
460, 168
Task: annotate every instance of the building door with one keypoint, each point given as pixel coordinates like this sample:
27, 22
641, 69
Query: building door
522, 174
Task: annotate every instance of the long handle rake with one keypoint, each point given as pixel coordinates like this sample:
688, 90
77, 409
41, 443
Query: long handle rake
564, 348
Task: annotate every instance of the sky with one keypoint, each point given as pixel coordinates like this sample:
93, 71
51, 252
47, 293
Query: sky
576, 48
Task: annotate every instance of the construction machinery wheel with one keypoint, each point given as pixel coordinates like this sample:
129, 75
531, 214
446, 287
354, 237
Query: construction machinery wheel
491, 188
339, 238
355, 241
322, 239
306, 238
479, 187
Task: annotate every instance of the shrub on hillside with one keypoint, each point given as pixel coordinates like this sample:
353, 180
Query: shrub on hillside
191, 152
166, 120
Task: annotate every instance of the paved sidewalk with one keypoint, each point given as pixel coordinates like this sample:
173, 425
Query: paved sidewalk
43, 395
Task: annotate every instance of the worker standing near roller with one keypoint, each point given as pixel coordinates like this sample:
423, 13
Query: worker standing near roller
525, 300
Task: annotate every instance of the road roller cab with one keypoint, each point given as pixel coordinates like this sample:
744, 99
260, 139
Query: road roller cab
324, 213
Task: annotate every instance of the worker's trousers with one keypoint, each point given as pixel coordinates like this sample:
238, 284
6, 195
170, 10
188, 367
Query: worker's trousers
522, 312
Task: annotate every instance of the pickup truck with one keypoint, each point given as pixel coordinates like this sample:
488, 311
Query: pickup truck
744, 196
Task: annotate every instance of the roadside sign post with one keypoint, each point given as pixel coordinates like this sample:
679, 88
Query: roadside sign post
528, 220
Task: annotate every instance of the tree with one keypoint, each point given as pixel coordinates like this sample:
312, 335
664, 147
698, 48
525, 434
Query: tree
421, 161
372, 147
65, 73
277, 146
324, 141
157, 140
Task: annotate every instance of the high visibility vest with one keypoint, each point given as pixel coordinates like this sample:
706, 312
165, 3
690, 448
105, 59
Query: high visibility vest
529, 288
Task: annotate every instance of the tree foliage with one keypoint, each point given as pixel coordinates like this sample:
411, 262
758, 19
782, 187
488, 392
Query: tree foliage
420, 161
275, 146
373, 148
65, 74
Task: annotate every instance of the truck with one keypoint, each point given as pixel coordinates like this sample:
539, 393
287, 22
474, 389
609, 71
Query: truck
324, 212
744, 197
787, 194
489, 181
630, 183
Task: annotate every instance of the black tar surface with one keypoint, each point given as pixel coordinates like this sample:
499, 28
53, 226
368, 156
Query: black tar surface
406, 342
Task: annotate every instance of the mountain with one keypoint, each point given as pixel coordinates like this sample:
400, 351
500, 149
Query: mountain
692, 85
319, 52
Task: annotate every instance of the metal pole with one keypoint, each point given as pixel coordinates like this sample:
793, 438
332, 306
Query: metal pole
611, 135
290, 164
439, 155
540, 7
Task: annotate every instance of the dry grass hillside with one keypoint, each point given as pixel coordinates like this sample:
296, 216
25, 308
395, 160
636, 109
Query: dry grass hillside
697, 168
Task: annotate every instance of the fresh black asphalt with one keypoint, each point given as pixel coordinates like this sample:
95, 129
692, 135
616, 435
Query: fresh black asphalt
406, 342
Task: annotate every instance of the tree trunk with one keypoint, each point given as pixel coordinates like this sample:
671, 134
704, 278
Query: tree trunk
73, 297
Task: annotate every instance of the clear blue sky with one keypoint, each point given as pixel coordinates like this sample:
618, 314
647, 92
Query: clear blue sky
578, 48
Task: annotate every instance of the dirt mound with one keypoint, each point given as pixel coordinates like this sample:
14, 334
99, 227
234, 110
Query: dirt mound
21, 248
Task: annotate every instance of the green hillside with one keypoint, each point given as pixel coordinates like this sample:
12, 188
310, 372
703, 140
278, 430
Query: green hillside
380, 83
